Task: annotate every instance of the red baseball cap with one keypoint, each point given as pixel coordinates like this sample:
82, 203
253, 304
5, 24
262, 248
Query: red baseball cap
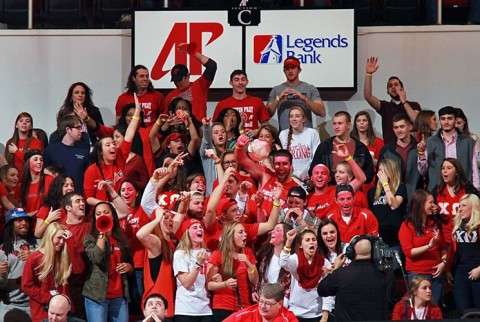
174, 136
291, 61
224, 204
186, 224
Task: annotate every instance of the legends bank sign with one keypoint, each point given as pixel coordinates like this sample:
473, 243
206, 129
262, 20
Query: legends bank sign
323, 40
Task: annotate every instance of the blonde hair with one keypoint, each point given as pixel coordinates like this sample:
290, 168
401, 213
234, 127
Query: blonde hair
226, 247
393, 173
58, 262
474, 221
185, 243
415, 284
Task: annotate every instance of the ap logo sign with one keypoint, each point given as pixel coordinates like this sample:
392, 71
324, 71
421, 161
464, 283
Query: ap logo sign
267, 49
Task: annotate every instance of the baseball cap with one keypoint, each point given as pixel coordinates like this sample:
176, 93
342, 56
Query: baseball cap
15, 213
224, 204
343, 187
178, 72
186, 224
297, 192
291, 61
174, 136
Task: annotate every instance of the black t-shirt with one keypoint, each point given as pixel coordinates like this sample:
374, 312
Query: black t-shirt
389, 221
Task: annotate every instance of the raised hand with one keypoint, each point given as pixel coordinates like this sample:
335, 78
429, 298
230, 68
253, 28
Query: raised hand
372, 65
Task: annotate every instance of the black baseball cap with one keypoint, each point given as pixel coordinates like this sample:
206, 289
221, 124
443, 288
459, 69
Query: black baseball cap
297, 192
178, 72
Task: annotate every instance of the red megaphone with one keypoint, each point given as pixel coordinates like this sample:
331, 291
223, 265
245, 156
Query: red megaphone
104, 224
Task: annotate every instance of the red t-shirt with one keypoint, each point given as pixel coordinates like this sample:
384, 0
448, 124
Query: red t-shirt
226, 298
322, 204
114, 173
130, 225
252, 106
79, 231
115, 287
44, 211
152, 104
448, 211
362, 222
196, 93
423, 264
34, 200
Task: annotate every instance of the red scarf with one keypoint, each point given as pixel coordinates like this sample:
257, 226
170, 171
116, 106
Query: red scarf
309, 274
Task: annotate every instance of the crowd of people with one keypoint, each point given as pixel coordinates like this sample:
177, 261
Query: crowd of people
175, 215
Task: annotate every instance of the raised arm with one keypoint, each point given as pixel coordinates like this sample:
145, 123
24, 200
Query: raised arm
132, 127
215, 197
359, 175
265, 227
371, 68
147, 239
244, 161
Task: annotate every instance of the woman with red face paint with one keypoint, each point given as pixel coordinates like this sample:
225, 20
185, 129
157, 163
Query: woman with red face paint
108, 163
236, 265
34, 184
269, 269
419, 305
21, 142
189, 267
306, 267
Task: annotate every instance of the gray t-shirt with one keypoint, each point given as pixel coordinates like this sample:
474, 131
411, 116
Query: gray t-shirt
285, 104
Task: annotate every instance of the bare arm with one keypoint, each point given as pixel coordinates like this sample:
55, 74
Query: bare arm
265, 227
215, 197
149, 240
132, 127
256, 170
371, 68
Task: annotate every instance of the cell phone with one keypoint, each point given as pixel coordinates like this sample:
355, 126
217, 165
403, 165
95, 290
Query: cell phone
291, 96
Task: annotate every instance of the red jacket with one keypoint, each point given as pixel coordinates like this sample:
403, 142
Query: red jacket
252, 314
433, 312
363, 222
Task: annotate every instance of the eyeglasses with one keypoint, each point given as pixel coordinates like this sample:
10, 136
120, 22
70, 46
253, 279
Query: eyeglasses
233, 162
78, 127
266, 304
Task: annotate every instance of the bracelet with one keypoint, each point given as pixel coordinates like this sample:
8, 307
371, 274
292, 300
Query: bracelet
157, 122
420, 153
276, 204
46, 222
198, 265
101, 236
444, 261
385, 184
237, 147
368, 74
87, 119
428, 245
115, 197
277, 98
226, 284
136, 117
348, 158
252, 271
287, 249
241, 131
153, 180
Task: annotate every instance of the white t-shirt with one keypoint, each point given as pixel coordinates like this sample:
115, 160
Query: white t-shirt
302, 148
194, 300
274, 269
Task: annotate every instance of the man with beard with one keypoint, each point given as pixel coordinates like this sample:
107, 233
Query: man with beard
282, 164
351, 220
252, 106
269, 308
449, 142
294, 92
18, 243
397, 105
151, 101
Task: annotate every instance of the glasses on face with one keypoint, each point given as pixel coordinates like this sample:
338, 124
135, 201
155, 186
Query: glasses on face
233, 162
78, 127
267, 304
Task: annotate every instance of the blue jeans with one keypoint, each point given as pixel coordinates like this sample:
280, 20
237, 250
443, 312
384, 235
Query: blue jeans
466, 291
110, 310
438, 286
